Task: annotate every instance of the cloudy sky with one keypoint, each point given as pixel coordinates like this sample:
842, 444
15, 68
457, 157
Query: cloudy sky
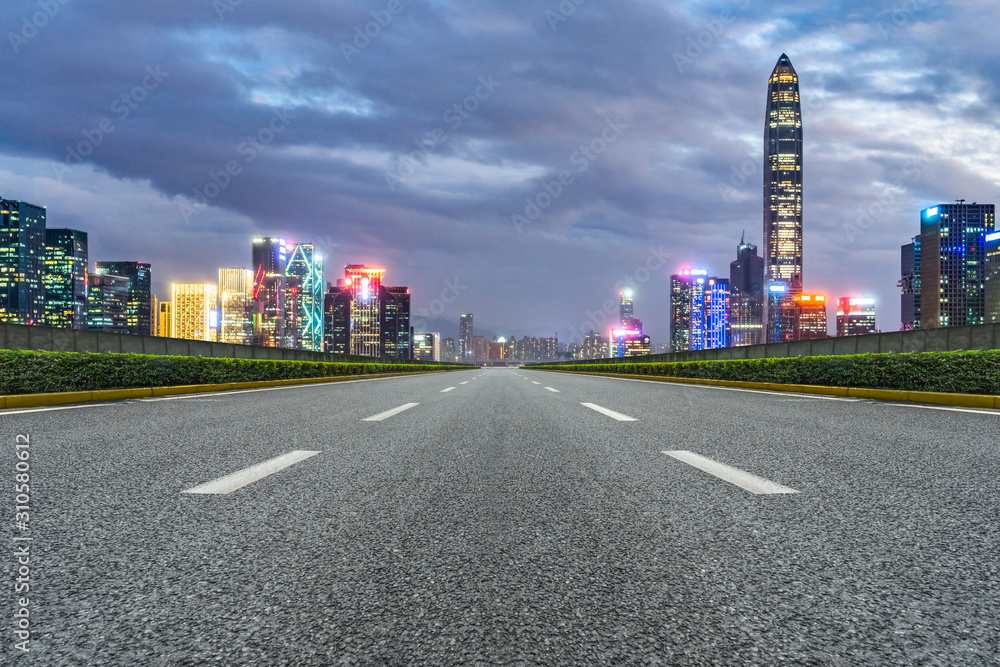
430, 137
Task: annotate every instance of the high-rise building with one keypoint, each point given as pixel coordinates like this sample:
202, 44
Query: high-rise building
594, 346
809, 317
781, 312
687, 309
22, 262
465, 336
855, 316
625, 308
195, 311
65, 278
154, 315
478, 349
498, 349
304, 298
107, 303
448, 352
269, 260
992, 284
236, 304
909, 300
717, 328
427, 346
629, 342
140, 286
783, 179
953, 264
165, 320
746, 296
366, 318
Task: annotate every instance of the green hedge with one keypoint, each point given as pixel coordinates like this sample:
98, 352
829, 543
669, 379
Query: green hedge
973, 372
24, 372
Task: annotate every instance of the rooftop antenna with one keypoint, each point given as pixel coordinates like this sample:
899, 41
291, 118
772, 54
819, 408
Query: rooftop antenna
743, 237
960, 201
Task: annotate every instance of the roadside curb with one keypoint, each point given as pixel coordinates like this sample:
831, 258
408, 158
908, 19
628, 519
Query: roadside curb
936, 398
68, 397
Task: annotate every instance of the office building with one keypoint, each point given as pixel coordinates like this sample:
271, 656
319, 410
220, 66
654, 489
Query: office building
687, 310
268, 265
448, 350
629, 342
22, 262
497, 350
363, 317
855, 316
107, 303
909, 300
195, 311
465, 336
478, 349
236, 306
809, 315
165, 320
140, 286
781, 313
783, 179
717, 331
746, 296
595, 346
992, 284
304, 298
953, 264
427, 346
65, 278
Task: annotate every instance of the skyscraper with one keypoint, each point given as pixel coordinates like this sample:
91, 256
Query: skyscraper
992, 285
22, 257
855, 316
783, 178
687, 310
195, 311
366, 318
953, 264
717, 327
465, 336
395, 322
746, 296
65, 278
625, 308
427, 346
304, 298
140, 286
236, 306
909, 282
165, 320
809, 317
107, 303
268, 268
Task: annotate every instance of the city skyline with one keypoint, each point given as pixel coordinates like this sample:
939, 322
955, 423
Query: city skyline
681, 178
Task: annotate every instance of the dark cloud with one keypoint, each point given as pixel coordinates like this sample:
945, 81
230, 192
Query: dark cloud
900, 110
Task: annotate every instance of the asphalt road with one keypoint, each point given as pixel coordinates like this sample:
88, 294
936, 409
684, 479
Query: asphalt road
502, 522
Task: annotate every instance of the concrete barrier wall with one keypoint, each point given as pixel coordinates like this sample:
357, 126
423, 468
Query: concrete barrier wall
945, 339
49, 339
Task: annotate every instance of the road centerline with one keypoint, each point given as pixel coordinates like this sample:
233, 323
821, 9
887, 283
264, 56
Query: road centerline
609, 413
555, 391
239, 479
389, 413
752, 483
445, 391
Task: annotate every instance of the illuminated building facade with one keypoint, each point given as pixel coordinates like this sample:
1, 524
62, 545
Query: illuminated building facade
465, 336
992, 284
363, 317
687, 310
595, 346
195, 311
625, 308
478, 349
497, 350
909, 300
140, 291
427, 346
629, 343
304, 298
855, 316
783, 179
746, 296
533, 349
165, 320
268, 266
809, 321
716, 318
780, 312
448, 351
953, 264
65, 278
236, 306
107, 303
22, 257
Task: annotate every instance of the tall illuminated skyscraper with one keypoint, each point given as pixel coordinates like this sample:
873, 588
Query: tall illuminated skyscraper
783, 179
363, 317
855, 316
140, 287
268, 268
22, 257
304, 298
465, 336
746, 296
687, 310
65, 278
625, 308
195, 311
107, 303
236, 306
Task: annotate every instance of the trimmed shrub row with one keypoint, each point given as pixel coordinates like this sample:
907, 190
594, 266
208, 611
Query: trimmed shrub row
30, 372
971, 372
